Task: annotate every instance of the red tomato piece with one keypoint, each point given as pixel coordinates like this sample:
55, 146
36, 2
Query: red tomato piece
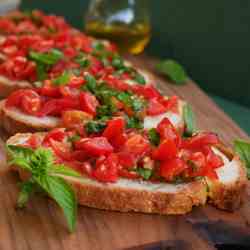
167, 131
67, 91
33, 141
197, 165
106, 170
213, 160
57, 134
114, 127
86, 168
172, 168
61, 149
96, 146
137, 145
15, 98
127, 174
49, 90
148, 91
200, 140
155, 107
166, 150
50, 107
75, 118
126, 159
88, 103
31, 102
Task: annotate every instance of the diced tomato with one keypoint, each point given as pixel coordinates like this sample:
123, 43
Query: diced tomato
148, 91
79, 155
171, 103
106, 170
15, 98
166, 150
57, 134
213, 160
137, 145
88, 103
76, 82
67, 91
50, 107
167, 131
96, 146
33, 141
126, 159
211, 173
62, 150
155, 107
49, 90
114, 127
200, 140
115, 83
127, 174
86, 168
197, 164
75, 118
172, 168
31, 102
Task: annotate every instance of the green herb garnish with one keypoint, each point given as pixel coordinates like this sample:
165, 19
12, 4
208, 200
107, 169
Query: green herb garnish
154, 136
63, 79
90, 84
145, 173
139, 78
243, 149
189, 120
49, 58
134, 122
173, 70
94, 127
45, 175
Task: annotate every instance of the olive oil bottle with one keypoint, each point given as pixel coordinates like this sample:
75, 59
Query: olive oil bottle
125, 22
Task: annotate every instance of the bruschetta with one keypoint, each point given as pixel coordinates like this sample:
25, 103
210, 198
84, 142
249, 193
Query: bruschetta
143, 177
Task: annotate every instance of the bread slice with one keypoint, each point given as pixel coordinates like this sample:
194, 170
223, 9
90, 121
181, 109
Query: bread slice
163, 198
13, 120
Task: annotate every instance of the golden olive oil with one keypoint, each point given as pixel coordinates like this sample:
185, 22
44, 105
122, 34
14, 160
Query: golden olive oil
129, 38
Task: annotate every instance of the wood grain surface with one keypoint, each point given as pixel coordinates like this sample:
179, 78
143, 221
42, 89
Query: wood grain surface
41, 225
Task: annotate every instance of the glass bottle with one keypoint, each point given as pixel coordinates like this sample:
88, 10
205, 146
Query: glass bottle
125, 22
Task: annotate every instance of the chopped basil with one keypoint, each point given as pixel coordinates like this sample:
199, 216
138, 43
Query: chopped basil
96, 45
189, 120
134, 122
74, 138
105, 110
140, 79
94, 127
41, 71
131, 101
145, 173
118, 62
49, 58
82, 60
173, 70
90, 83
154, 136
62, 79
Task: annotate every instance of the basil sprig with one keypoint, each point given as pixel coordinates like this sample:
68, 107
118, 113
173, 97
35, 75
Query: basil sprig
243, 149
49, 58
173, 70
189, 120
46, 176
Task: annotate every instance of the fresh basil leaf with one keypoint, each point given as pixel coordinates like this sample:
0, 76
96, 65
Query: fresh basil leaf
145, 173
59, 190
60, 169
117, 62
154, 136
134, 122
62, 79
173, 70
97, 45
243, 149
189, 120
49, 58
139, 78
27, 188
41, 71
94, 127
90, 83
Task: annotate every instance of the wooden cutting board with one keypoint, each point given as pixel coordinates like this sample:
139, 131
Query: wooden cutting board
41, 225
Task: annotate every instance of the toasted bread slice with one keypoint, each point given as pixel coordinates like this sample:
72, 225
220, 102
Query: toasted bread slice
13, 120
163, 198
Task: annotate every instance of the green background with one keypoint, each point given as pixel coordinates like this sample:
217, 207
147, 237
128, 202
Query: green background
210, 38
